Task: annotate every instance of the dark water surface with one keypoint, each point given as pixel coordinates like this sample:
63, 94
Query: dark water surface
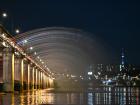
100, 96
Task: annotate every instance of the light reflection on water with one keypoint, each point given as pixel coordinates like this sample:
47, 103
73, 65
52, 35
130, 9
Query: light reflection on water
102, 96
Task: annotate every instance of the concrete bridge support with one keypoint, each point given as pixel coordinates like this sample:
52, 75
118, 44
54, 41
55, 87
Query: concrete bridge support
8, 69
21, 73
28, 78
25, 74
39, 79
33, 79
36, 79
44, 82
17, 69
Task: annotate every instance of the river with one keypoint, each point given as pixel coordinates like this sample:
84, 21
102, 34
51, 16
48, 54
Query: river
100, 96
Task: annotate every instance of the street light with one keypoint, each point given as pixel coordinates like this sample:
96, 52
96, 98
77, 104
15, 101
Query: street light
31, 48
17, 31
4, 15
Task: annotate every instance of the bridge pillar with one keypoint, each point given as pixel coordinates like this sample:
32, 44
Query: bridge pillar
51, 82
47, 83
36, 78
44, 81
8, 69
39, 79
17, 72
28, 78
25, 74
21, 73
33, 77
44, 84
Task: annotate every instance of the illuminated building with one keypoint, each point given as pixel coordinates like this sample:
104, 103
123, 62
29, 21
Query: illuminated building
122, 65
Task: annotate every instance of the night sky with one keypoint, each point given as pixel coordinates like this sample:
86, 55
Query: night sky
117, 23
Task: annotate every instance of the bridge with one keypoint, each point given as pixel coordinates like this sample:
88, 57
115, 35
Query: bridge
42, 57
18, 70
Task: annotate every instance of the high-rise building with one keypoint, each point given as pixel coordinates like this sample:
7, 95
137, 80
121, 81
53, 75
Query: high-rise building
122, 64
